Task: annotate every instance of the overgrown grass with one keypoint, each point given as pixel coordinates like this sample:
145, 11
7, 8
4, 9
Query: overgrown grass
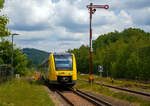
116, 95
121, 83
23, 93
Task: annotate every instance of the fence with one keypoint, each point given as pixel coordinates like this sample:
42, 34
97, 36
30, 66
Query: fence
5, 73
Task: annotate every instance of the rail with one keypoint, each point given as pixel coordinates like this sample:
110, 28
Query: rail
66, 99
92, 99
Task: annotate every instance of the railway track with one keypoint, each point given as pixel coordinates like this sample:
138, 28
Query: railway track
80, 98
65, 98
92, 99
124, 89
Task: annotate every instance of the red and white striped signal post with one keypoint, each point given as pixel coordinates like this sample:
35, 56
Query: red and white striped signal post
92, 9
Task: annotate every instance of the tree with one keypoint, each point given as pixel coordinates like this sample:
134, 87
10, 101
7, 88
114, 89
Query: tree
3, 22
20, 60
3, 28
1, 4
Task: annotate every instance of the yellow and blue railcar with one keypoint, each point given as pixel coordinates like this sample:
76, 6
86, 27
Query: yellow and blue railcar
60, 68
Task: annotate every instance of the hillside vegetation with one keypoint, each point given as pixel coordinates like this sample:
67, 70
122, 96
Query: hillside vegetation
123, 54
35, 56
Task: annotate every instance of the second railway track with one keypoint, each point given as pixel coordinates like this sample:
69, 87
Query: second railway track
124, 89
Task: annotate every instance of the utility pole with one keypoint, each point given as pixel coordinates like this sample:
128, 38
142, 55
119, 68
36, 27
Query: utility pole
12, 57
92, 9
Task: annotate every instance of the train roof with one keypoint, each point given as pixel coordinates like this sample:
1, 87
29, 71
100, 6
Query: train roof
62, 53
56, 54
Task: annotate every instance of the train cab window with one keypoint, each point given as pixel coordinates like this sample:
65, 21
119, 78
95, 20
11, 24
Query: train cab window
63, 62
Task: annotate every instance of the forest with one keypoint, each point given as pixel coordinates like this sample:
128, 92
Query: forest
123, 55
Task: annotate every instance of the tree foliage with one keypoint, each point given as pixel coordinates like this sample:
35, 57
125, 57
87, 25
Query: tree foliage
3, 22
2, 3
122, 54
20, 61
3, 28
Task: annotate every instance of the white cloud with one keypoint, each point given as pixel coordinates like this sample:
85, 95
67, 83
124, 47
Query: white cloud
29, 12
64, 24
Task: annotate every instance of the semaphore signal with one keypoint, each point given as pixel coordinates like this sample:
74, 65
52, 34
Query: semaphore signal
92, 9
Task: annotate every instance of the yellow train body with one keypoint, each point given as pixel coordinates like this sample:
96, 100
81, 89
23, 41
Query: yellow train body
60, 69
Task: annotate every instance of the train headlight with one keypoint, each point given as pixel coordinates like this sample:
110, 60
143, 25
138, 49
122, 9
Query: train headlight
70, 73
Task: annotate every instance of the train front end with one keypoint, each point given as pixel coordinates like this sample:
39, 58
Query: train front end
65, 68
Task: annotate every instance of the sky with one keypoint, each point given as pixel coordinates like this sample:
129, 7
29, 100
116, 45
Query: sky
59, 25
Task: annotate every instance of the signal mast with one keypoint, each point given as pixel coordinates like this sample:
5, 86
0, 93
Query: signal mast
92, 9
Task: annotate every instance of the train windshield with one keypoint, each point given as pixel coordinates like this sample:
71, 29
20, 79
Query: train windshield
63, 62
